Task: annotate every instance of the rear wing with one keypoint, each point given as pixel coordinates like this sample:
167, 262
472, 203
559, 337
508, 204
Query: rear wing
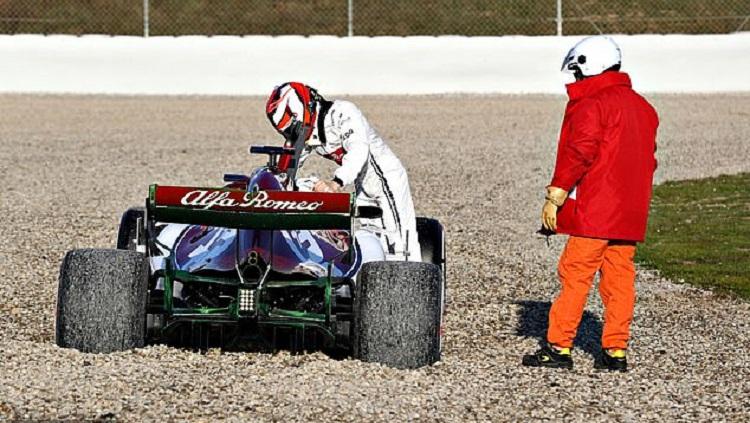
232, 208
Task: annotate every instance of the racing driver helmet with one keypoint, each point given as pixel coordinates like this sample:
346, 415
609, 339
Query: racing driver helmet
592, 56
292, 110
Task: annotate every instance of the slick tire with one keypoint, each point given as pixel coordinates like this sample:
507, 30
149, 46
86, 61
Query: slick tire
101, 300
127, 233
397, 314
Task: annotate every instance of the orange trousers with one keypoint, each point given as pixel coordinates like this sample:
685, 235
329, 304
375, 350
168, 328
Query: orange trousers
580, 260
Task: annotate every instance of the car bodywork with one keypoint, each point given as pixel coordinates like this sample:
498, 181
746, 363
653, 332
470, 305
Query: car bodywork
252, 261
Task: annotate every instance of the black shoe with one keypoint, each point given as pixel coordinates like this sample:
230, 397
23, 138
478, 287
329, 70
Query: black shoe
613, 360
548, 356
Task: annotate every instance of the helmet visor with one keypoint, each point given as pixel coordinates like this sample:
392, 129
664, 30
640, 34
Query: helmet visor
569, 58
292, 131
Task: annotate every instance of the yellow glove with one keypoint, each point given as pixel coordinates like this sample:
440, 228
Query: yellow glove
554, 199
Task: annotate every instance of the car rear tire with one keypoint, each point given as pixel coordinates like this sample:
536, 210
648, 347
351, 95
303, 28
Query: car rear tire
397, 314
128, 231
101, 300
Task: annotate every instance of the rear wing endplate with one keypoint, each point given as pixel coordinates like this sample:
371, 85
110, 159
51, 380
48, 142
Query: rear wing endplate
232, 208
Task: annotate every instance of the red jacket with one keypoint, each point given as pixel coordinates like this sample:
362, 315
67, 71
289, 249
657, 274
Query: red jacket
606, 152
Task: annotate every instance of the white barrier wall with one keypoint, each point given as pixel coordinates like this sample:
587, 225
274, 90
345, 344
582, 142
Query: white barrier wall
357, 65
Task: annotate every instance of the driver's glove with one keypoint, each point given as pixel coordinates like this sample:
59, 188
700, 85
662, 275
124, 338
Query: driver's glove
327, 186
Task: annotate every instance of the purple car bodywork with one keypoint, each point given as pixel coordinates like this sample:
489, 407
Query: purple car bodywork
307, 252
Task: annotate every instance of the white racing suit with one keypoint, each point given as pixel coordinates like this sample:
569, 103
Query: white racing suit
342, 134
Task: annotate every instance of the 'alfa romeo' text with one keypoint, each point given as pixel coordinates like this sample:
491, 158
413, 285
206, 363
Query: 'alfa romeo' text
207, 200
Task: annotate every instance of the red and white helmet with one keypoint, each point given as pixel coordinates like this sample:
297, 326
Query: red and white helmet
292, 110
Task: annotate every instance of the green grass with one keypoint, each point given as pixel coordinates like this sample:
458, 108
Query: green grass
699, 233
372, 17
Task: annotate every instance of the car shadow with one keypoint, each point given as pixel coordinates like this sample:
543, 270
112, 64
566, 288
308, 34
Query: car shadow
532, 323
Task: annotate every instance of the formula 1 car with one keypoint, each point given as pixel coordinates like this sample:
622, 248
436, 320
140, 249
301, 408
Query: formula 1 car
254, 263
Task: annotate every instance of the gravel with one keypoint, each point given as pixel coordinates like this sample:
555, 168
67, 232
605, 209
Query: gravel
70, 165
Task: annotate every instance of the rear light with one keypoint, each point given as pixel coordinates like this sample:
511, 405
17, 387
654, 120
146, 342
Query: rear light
246, 299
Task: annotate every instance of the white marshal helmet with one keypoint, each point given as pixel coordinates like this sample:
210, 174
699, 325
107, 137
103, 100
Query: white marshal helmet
592, 56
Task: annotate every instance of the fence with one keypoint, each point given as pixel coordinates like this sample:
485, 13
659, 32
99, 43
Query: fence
372, 17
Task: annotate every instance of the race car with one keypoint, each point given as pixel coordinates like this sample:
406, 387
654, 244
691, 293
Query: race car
256, 263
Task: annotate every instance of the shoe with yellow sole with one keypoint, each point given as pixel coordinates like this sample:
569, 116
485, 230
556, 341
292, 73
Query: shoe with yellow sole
549, 356
612, 359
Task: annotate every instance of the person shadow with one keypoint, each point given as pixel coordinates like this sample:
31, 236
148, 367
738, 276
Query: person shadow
532, 323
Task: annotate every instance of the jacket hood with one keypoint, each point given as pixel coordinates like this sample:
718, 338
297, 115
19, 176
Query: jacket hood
591, 85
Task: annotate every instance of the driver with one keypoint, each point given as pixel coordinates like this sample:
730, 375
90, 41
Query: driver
338, 131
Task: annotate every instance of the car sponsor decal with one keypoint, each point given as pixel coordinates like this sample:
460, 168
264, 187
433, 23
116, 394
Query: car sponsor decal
217, 199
